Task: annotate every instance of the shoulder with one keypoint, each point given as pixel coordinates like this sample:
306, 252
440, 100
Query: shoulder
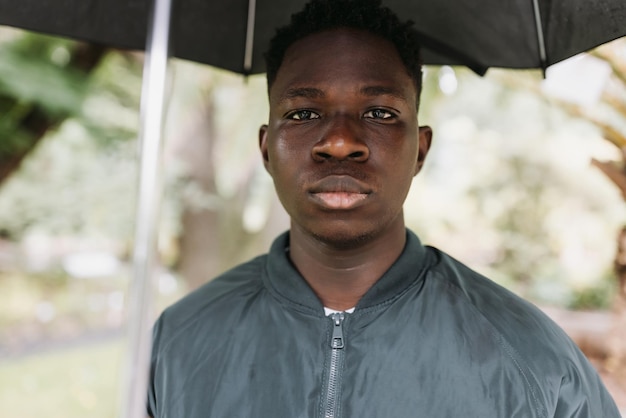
554, 368
211, 300
519, 321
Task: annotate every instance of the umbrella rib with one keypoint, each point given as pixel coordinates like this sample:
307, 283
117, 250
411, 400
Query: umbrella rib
247, 57
540, 35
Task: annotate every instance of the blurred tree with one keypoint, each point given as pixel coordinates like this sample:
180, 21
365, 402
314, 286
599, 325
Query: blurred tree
609, 117
44, 82
68, 121
511, 166
613, 97
222, 197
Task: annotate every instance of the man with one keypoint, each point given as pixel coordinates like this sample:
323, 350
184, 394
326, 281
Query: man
349, 315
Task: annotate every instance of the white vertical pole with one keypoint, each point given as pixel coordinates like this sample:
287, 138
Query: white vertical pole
541, 42
139, 304
247, 55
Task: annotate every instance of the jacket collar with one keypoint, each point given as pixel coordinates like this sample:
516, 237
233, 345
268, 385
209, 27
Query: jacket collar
284, 281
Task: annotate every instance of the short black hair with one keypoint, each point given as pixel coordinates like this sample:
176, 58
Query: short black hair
367, 15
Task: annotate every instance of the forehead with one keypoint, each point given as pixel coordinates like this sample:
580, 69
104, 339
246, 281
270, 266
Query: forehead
343, 57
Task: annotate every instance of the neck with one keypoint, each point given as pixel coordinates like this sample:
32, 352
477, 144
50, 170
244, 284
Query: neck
340, 276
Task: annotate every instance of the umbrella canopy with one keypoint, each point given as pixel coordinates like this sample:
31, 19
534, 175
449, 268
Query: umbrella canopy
233, 35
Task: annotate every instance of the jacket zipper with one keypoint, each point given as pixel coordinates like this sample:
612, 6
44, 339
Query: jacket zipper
333, 387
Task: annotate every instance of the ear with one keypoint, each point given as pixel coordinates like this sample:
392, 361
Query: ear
263, 146
425, 136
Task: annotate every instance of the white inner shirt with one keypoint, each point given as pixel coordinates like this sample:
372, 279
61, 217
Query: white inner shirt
329, 311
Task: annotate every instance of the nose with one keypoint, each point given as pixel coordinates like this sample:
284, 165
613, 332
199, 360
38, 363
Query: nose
340, 141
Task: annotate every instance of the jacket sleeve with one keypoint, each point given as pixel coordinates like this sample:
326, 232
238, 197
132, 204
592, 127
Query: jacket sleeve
583, 395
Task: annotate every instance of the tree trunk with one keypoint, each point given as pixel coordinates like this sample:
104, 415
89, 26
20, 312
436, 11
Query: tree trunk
213, 237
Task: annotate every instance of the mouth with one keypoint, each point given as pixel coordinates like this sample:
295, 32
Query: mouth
340, 200
339, 192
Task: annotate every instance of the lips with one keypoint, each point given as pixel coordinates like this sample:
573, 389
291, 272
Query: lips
339, 192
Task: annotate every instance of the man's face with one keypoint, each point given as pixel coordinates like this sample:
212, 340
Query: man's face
342, 143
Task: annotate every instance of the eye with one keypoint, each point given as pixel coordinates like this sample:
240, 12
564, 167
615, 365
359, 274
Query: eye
303, 115
378, 114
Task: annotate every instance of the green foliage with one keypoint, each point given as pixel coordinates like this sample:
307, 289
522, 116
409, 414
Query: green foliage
41, 83
71, 186
31, 76
13, 140
508, 187
599, 295
82, 176
518, 199
110, 111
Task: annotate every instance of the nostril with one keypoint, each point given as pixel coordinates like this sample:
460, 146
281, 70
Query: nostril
323, 155
340, 154
340, 144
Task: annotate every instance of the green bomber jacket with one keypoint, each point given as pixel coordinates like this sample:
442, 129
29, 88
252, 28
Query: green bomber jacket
431, 338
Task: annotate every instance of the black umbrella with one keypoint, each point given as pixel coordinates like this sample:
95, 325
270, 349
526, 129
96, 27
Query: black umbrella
234, 34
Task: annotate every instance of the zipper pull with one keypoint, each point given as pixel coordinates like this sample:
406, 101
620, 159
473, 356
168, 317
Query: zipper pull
337, 340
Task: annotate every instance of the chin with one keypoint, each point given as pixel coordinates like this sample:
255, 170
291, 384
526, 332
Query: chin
344, 240
345, 234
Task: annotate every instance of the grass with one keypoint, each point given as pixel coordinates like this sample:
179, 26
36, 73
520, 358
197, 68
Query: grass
78, 382
83, 381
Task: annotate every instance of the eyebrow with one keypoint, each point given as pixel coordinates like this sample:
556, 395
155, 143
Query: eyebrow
315, 93
374, 91
304, 92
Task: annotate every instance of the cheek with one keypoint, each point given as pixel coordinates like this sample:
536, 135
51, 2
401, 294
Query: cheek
404, 159
403, 169
285, 166
286, 146
279, 156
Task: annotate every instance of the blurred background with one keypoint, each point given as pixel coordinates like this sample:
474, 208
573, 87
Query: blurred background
525, 182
